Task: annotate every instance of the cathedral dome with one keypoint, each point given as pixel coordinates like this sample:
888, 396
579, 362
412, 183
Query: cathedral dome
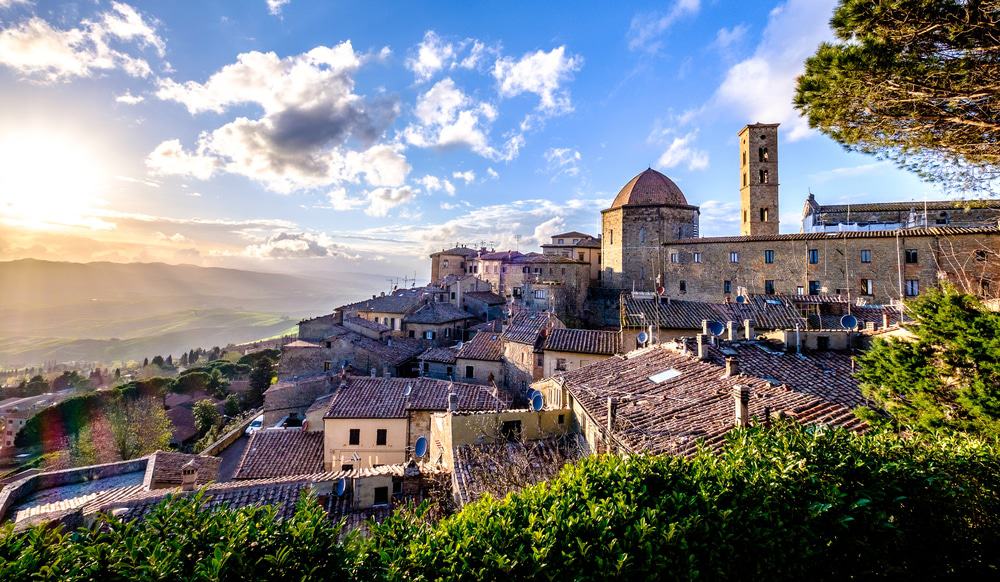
650, 187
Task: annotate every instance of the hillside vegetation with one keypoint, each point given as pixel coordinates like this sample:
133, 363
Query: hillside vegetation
786, 503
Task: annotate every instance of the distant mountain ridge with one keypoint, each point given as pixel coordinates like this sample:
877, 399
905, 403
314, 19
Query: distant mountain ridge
63, 311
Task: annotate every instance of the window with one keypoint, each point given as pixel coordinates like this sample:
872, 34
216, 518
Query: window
814, 287
511, 430
541, 293
381, 436
744, 158
449, 370
800, 290
911, 256
642, 235
867, 287
561, 241
764, 178
682, 286
447, 332
611, 236
429, 335
347, 467
381, 496
727, 287
579, 258
744, 178
769, 257
813, 256
697, 257
763, 214
470, 372
980, 255
562, 419
427, 367
327, 365
943, 218
769, 287
444, 263
411, 333
675, 258
912, 287
561, 364
762, 154
866, 256
734, 257
355, 437
823, 343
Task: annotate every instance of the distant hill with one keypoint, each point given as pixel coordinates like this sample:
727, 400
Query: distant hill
107, 311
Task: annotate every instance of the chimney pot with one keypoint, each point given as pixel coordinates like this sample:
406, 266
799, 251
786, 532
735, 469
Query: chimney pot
885, 320
189, 476
612, 412
452, 402
749, 329
704, 327
731, 331
741, 400
732, 367
702, 348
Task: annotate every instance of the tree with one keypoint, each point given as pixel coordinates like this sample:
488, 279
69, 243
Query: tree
913, 82
206, 415
158, 361
232, 405
145, 362
948, 376
217, 384
184, 359
260, 380
170, 360
138, 426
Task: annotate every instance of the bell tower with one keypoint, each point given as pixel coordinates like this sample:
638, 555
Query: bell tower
759, 179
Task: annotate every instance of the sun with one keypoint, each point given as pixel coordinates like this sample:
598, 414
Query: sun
49, 180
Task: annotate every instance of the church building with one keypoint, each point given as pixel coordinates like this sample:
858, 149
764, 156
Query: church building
878, 253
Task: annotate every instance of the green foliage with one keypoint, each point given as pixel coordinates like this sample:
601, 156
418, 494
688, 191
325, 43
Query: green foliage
217, 384
949, 376
261, 376
252, 358
206, 415
190, 381
232, 405
139, 426
912, 81
54, 423
787, 503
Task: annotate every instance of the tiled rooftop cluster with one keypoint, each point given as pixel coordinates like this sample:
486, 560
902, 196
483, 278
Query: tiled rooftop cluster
584, 341
274, 453
364, 397
766, 311
484, 346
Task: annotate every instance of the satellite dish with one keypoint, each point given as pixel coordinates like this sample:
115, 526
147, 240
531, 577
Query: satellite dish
741, 299
716, 328
643, 337
341, 486
660, 290
537, 402
420, 447
849, 321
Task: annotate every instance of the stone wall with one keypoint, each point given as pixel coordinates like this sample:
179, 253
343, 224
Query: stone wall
317, 329
284, 398
638, 235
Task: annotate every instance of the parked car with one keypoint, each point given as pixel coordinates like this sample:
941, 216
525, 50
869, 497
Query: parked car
255, 425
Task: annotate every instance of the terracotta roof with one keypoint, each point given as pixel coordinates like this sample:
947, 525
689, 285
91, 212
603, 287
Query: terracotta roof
649, 187
526, 327
572, 234
366, 397
394, 351
537, 258
490, 326
584, 341
283, 495
766, 311
695, 404
499, 256
442, 355
275, 453
437, 312
164, 468
589, 242
301, 344
462, 251
393, 303
817, 299
498, 469
365, 323
484, 346
903, 232
487, 297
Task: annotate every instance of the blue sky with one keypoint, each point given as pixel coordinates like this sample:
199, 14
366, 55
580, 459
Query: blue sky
341, 136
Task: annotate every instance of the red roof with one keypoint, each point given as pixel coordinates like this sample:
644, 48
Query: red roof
650, 187
366, 397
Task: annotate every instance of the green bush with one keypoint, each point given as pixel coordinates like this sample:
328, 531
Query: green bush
786, 503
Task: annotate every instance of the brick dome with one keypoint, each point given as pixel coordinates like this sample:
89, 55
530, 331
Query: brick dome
650, 187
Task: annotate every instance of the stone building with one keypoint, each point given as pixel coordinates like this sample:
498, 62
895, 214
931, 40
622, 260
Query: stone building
480, 360
577, 245
879, 255
450, 262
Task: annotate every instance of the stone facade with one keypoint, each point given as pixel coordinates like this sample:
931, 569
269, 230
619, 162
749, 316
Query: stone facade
632, 240
759, 179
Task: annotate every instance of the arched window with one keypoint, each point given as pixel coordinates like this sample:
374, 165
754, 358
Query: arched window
642, 235
764, 177
943, 218
762, 154
763, 214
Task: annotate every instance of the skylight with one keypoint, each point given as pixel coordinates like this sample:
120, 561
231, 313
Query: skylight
665, 375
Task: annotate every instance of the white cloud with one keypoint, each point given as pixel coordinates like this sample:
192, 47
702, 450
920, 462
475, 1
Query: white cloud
312, 124
129, 99
275, 6
170, 158
544, 231
9, 3
492, 173
727, 38
382, 200
718, 218
447, 117
646, 29
296, 245
469, 176
174, 238
41, 52
433, 55
681, 151
761, 87
434, 184
562, 161
541, 73
339, 200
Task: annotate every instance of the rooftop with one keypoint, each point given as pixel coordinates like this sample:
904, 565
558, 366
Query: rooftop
276, 453
670, 401
903, 232
456, 250
401, 302
650, 187
442, 355
393, 351
766, 311
917, 205
484, 346
572, 234
589, 242
526, 327
365, 323
487, 297
366, 397
584, 341
164, 468
437, 312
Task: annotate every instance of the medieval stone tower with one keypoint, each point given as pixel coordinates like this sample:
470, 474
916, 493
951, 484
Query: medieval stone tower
759, 179
648, 211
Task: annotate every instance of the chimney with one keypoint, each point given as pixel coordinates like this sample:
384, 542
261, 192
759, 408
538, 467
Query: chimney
741, 399
452, 402
748, 329
702, 348
885, 320
704, 326
612, 412
732, 367
189, 476
732, 332
374, 371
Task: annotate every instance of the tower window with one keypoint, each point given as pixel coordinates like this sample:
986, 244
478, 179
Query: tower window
611, 237
911, 256
642, 235
813, 256
727, 287
763, 137
734, 257
744, 178
866, 255
763, 214
744, 216
764, 178
682, 286
769, 257
744, 158
697, 257
762, 154
769, 287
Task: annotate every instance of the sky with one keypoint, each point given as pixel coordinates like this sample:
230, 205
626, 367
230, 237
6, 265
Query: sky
335, 136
